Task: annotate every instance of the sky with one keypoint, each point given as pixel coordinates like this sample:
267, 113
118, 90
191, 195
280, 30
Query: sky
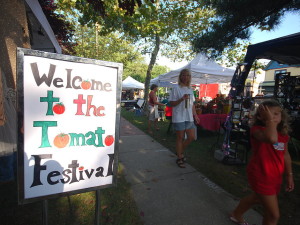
289, 25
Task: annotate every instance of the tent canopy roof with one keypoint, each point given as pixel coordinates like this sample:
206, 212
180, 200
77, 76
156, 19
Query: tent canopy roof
203, 71
130, 83
285, 50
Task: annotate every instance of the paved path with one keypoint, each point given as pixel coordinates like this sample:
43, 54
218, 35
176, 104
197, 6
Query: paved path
166, 194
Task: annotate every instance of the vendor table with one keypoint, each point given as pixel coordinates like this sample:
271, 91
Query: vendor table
212, 122
128, 103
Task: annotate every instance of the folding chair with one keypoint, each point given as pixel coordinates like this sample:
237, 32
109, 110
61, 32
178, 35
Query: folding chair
139, 111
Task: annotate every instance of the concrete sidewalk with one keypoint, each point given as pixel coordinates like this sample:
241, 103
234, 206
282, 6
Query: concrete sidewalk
166, 194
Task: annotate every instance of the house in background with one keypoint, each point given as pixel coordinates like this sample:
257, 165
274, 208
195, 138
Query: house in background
41, 34
272, 69
23, 24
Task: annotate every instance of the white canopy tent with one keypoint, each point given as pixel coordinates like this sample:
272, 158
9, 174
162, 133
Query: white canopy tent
130, 83
204, 71
161, 83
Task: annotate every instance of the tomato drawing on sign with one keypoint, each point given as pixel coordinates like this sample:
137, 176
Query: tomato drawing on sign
59, 108
109, 140
61, 140
81, 168
86, 85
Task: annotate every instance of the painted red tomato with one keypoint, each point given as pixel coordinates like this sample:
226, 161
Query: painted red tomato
81, 168
59, 108
86, 85
109, 140
61, 140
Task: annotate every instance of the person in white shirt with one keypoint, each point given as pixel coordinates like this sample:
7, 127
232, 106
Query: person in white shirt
183, 115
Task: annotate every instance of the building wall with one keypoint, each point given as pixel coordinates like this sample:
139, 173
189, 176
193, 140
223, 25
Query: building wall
14, 33
295, 71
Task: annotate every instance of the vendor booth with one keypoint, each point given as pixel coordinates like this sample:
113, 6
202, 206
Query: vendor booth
285, 50
208, 90
130, 83
207, 76
132, 90
160, 83
204, 71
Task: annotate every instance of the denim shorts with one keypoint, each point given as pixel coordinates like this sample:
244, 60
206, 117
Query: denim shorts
187, 125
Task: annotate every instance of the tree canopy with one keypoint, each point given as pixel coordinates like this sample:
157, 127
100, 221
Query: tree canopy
111, 47
234, 19
62, 28
108, 47
164, 26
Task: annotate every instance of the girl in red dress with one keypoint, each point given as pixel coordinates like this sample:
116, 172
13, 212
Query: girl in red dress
270, 160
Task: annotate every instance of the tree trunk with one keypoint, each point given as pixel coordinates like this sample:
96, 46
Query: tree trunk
149, 70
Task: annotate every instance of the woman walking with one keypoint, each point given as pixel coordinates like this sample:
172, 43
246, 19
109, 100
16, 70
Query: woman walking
184, 113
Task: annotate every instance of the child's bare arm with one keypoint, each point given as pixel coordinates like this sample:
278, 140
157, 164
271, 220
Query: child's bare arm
269, 134
288, 172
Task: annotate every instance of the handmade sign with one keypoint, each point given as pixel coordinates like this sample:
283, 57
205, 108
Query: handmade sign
68, 109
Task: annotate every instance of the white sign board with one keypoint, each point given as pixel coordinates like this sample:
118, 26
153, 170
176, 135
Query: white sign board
68, 111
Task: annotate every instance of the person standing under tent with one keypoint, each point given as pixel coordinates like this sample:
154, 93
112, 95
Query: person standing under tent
270, 160
153, 108
183, 115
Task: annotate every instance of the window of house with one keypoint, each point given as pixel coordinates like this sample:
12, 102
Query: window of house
279, 71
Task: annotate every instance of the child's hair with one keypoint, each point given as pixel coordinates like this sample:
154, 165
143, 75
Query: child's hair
179, 77
283, 127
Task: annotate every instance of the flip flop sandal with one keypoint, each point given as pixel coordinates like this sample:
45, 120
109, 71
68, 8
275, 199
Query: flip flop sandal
180, 163
237, 222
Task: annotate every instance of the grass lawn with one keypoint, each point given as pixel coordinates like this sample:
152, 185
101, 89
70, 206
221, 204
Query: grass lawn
232, 178
117, 204
117, 207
